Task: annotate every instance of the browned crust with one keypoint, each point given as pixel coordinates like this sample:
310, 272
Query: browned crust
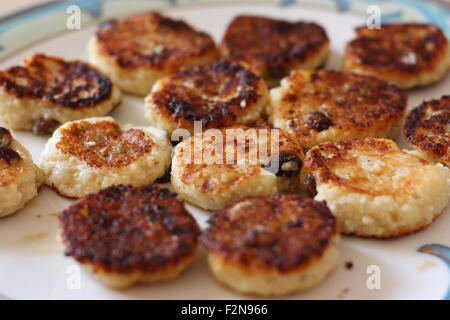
346, 101
11, 164
113, 148
270, 46
323, 158
427, 128
384, 50
62, 83
127, 42
283, 232
288, 151
127, 229
228, 82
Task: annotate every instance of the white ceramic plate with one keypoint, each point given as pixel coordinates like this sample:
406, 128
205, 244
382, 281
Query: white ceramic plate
32, 264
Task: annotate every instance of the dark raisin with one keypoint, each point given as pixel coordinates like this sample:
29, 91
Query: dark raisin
9, 155
311, 186
290, 165
318, 121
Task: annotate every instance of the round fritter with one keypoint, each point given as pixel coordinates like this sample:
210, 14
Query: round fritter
273, 47
272, 245
326, 105
217, 95
126, 234
49, 91
87, 155
138, 50
408, 55
374, 189
427, 129
20, 179
219, 166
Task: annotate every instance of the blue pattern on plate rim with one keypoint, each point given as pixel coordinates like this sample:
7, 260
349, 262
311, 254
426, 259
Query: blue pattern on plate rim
432, 11
442, 252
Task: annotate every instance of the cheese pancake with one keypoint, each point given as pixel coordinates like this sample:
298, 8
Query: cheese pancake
48, 91
88, 155
326, 105
273, 48
220, 166
20, 178
407, 55
374, 189
272, 245
427, 129
216, 95
126, 235
139, 49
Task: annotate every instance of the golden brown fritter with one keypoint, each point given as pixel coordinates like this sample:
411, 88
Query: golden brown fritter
427, 128
373, 188
326, 105
152, 40
103, 144
284, 232
66, 84
127, 229
340, 163
219, 94
272, 47
400, 53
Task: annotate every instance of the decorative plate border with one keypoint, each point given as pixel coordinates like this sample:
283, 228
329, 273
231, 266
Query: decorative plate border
18, 30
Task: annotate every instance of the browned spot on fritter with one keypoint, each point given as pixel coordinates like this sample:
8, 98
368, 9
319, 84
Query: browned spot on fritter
125, 229
311, 186
217, 94
152, 40
5, 137
283, 232
103, 143
346, 102
71, 84
427, 127
272, 46
397, 48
